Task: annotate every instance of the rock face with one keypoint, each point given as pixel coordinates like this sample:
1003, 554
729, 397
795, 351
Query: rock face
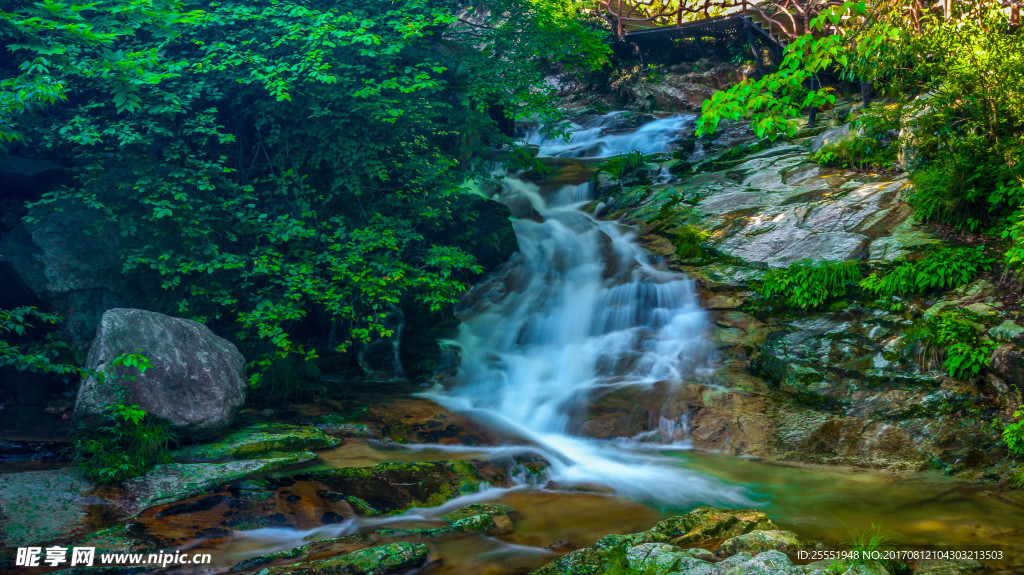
67, 259
196, 382
844, 384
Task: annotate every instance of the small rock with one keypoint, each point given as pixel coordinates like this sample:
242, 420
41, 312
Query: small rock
984, 309
723, 302
831, 136
706, 523
383, 560
267, 413
1007, 331
766, 563
759, 541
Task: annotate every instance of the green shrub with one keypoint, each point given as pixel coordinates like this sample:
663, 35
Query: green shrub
954, 338
807, 284
1013, 435
870, 542
625, 167
131, 441
129, 445
688, 241
860, 152
945, 269
964, 188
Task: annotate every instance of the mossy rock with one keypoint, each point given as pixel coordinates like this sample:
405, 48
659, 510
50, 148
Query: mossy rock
478, 509
394, 487
758, 541
258, 440
383, 560
710, 523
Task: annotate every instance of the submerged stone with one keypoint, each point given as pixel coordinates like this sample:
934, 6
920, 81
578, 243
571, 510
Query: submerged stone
383, 560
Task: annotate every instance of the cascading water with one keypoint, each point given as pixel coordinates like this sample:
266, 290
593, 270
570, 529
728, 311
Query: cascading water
610, 135
579, 311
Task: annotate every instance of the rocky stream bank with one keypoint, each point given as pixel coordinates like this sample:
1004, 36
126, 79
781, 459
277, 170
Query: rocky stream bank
333, 487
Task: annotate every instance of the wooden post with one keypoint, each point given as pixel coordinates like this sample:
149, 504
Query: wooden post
618, 21
865, 93
1014, 14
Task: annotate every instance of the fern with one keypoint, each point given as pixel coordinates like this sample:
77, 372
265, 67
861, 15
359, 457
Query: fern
1013, 435
945, 269
808, 285
955, 339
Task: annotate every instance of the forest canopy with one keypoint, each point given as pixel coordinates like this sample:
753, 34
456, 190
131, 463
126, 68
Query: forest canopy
272, 162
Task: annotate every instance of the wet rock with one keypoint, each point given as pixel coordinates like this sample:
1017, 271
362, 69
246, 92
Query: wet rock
175, 481
500, 518
392, 487
1009, 331
766, 563
1006, 367
418, 420
260, 439
476, 523
664, 558
757, 541
710, 523
196, 382
832, 136
383, 560
41, 506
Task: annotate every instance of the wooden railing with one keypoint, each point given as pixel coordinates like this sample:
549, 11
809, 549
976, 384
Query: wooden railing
638, 12
787, 18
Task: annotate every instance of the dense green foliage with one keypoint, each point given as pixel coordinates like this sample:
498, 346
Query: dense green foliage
279, 166
131, 441
945, 269
808, 284
863, 152
24, 349
955, 106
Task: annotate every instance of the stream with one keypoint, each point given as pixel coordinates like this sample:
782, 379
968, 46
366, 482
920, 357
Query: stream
582, 310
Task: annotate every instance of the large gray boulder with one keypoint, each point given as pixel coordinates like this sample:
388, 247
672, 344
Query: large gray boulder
68, 259
196, 382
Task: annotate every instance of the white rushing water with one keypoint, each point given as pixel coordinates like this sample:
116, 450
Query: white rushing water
579, 311
612, 134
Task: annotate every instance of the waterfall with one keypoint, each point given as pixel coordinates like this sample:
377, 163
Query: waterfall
612, 134
581, 310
